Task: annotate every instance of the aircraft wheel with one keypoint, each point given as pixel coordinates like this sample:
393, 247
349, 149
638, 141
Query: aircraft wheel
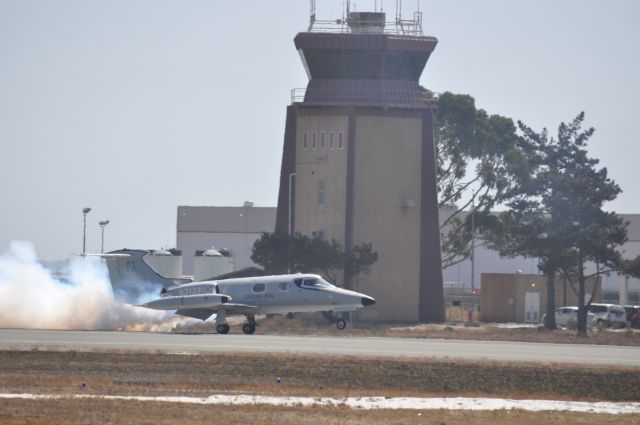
248, 328
341, 324
223, 329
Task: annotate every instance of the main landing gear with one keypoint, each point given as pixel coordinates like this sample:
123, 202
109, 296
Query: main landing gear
249, 327
341, 324
222, 329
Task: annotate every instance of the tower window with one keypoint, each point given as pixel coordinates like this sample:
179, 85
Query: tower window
322, 140
340, 140
331, 143
305, 138
322, 188
313, 140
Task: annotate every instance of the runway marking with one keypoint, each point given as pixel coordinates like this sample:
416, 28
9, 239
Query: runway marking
370, 403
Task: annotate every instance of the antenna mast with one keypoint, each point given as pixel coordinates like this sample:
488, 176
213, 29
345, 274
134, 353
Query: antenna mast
312, 14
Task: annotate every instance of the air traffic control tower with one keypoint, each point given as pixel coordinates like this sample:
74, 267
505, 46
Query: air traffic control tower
359, 161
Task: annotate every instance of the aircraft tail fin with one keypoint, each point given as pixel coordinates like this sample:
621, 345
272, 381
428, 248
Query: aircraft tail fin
132, 278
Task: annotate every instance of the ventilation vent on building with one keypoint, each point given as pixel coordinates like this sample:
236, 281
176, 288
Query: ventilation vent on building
408, 202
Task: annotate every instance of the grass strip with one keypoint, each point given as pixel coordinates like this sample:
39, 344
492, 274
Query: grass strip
138, 373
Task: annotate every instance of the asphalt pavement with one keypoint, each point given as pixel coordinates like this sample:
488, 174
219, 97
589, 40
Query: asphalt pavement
20, 339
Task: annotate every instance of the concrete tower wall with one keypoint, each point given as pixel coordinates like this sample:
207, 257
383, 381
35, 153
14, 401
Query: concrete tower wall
386, 212
321, 170
368, 187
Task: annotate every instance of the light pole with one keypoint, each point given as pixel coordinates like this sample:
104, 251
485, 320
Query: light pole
473, 242
85, 211
103, 224
291, 175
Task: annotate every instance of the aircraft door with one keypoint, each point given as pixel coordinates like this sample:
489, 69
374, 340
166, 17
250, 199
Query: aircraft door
532, 307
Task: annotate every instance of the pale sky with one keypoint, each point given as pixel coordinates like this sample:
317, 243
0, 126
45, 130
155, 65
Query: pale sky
133, 107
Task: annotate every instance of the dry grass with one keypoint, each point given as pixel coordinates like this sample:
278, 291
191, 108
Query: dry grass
72, 412
44, 372
206, 374
315, 324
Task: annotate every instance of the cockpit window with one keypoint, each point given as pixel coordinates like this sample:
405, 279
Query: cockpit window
313, 283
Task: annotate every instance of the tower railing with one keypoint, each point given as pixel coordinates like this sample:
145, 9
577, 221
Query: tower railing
405, 27
298, 95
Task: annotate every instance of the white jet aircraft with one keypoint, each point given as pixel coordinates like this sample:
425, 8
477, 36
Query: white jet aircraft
248, 296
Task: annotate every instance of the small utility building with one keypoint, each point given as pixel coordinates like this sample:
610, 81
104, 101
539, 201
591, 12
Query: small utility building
523, 297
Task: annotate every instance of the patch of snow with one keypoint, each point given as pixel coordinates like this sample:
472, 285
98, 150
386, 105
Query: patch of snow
513, 325
368, 403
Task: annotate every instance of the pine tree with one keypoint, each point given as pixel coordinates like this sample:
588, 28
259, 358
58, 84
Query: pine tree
556, 213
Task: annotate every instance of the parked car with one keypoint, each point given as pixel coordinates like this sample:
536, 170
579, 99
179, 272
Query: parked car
609, 315
568, 317
633, 315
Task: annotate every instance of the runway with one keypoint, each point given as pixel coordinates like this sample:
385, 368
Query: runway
16, 339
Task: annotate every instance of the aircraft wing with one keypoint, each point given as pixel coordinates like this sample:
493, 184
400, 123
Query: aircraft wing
196, 313
103, 255
205, 313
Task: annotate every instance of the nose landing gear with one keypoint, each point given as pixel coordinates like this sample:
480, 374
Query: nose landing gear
221, 324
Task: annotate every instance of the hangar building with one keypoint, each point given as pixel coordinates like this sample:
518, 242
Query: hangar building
232, 228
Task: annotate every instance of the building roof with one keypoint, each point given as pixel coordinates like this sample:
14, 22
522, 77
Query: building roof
633, 231
226, 219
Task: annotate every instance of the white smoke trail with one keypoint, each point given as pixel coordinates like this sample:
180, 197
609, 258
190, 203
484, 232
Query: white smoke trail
31, 298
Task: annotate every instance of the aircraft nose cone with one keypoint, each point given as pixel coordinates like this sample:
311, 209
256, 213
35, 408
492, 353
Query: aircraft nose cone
368, 301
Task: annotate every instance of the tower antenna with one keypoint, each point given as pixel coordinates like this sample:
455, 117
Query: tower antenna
312, 14
398, 11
